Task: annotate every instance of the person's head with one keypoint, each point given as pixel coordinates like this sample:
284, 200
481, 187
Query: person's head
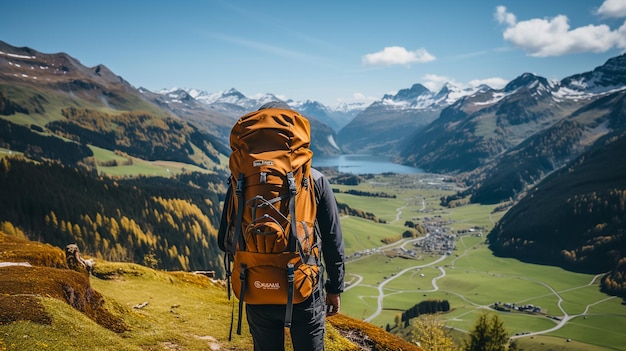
275, 104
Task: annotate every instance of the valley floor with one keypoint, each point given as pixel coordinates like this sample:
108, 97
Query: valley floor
539, 304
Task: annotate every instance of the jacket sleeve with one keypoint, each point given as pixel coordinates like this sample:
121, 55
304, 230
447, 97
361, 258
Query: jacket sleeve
332, 236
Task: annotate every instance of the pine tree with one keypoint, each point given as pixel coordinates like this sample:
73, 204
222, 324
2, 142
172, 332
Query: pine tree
478, 337
499, 339
487, 335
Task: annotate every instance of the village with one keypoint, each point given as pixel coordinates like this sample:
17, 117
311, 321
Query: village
509, 307
439, 240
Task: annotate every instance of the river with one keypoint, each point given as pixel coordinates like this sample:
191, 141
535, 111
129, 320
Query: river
363, 164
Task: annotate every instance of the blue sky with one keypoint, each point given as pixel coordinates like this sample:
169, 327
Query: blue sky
329, 51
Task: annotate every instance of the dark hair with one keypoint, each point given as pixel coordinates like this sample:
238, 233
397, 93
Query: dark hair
275, 104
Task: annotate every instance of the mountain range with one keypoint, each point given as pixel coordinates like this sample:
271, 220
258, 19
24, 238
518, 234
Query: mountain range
520, 133
511, 146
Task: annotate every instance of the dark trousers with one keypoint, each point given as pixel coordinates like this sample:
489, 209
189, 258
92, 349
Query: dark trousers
267, 322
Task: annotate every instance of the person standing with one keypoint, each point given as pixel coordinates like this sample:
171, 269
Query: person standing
306, 319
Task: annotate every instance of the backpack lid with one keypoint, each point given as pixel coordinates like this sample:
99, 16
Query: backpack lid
271, 130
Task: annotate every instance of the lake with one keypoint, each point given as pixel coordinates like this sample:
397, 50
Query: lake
363, 164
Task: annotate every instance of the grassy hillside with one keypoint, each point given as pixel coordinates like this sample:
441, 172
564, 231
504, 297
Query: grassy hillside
130, 307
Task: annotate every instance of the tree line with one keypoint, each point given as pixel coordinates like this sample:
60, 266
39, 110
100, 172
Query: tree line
36, 146
171, 220
364, 193
425, 307
345, 209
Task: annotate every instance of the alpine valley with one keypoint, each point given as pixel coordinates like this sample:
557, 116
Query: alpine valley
552, 154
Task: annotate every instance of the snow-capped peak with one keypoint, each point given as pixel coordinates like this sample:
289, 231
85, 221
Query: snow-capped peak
420, 97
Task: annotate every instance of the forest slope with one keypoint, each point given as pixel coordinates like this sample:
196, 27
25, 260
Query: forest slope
575, 217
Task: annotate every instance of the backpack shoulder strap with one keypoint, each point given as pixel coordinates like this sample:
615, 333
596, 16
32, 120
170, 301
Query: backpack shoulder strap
293, 237
224, 222
238, 238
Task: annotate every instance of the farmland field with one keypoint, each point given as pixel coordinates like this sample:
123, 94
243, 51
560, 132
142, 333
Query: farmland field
571, 311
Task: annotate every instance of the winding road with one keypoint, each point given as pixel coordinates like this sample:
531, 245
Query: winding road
381, 286
560, 321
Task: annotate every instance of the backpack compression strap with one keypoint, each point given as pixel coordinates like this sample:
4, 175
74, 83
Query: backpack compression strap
293, 190
238, 238
289, 307
243, 275
293, 242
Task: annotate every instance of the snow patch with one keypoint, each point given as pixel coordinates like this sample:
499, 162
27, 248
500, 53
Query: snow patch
494, 99
332, 142
17, 56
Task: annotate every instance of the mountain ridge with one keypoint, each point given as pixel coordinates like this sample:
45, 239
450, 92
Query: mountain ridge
497, 120
382, 128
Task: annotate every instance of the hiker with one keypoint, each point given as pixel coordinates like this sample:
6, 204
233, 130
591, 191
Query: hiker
311, 299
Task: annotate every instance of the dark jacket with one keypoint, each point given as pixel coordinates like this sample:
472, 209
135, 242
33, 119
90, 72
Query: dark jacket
330, 232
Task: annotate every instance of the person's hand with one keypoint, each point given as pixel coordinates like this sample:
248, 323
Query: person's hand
332, 304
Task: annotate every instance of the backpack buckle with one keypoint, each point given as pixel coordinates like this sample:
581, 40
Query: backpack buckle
240, 181
292, 183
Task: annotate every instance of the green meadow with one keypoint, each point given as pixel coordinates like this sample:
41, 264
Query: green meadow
471, 278
113, 164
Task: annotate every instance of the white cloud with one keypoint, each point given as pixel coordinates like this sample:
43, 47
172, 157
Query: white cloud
621, 43
358, 98
613, 8
361, 97
554, 37
494, 82
435, 82
397, 55
505, 17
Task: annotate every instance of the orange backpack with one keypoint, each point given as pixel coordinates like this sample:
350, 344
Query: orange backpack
268, 222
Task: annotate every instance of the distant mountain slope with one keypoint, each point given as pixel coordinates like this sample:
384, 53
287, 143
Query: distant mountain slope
382, 127
182, 104
575, 217
473, 130
59, 97
502, 142
335, 118
520, 167
232, 104
41, 84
